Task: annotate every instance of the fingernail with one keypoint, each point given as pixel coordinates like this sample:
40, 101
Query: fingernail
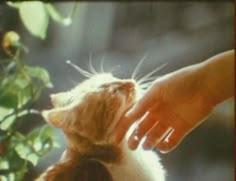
128, 114
163, 152
133, 142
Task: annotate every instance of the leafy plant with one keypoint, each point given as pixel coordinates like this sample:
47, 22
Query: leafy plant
20, 86
35, 16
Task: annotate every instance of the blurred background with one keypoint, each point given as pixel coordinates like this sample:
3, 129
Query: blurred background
177, 33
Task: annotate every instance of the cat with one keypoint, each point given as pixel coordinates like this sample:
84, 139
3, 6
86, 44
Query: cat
88, 115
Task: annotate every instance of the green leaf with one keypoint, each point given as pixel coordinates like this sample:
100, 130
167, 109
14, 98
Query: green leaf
34, 17
26, 153
24, 96
16, 91
5, 111
21, 83
40, 73
6, 123
4, 164
18, 137
8, 100
33, 158
56, 16
42, 139
11, 154
6, 119
13, 4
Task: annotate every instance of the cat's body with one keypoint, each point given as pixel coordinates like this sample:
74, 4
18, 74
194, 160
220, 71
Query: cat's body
88, 116
138, 165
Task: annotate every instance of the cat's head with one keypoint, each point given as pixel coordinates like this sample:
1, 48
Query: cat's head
94, 107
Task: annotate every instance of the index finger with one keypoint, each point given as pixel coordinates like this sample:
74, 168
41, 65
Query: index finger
139, 109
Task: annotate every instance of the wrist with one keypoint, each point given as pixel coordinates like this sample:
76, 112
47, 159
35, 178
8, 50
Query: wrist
217, 74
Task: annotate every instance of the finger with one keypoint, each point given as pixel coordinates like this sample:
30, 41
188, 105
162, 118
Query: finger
172, 140
131, 116
155, 135
141, 107
138, 110
146, 124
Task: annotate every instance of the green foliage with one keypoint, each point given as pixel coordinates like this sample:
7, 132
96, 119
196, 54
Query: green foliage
35, 145
20, 86
56, 16
41, 74
35, 16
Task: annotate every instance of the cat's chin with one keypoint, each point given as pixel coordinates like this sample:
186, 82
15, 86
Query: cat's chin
111, 138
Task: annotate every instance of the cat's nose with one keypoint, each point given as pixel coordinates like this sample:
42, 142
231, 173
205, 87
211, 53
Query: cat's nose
124, 84
128, 84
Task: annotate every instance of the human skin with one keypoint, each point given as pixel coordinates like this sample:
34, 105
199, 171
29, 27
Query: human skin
178, 102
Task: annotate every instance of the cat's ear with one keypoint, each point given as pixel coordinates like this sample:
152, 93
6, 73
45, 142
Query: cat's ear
56, 116
58, 99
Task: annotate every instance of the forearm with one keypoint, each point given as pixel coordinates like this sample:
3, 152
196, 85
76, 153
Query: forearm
218, 77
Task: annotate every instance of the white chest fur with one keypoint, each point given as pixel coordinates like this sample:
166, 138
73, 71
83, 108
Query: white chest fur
138, 165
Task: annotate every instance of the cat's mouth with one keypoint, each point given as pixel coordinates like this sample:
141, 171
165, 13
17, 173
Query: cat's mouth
129, 87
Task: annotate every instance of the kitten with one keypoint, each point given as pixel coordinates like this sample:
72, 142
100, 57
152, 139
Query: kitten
88, 115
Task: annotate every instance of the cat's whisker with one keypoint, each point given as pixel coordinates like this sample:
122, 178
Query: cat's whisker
92, 69
102, 64
80, 70
148, 79
137, 68
145, 86
152, 72
73, 82
114, 67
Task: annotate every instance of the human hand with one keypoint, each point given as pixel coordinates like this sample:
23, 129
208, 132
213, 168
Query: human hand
169, 110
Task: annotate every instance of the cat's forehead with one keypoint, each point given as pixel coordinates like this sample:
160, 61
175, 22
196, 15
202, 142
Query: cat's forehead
104, 83
98, 80
102, 78
93, 84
